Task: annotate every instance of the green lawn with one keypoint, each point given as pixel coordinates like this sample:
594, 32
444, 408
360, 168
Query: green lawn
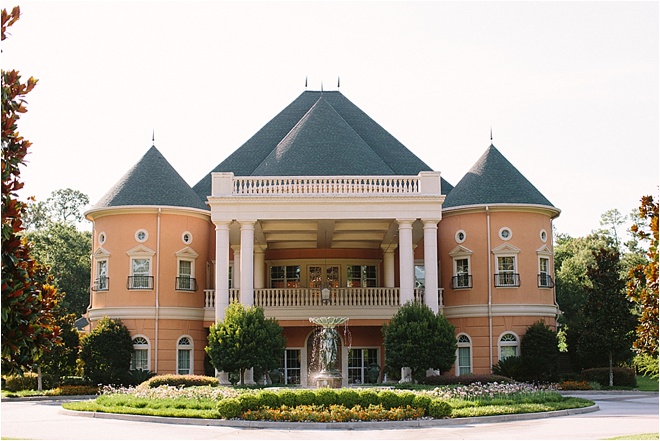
647, 384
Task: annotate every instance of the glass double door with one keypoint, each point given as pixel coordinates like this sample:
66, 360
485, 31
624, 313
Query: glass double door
322, 276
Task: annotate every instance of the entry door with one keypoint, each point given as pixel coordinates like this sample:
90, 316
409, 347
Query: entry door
321, 276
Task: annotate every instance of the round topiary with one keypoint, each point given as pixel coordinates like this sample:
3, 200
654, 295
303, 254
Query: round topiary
268, 399
248, 401
229, 408
388, 399
326, 397
406, 399
368, 397
439, 409
348, 398
422, 402
305, 397
287, 398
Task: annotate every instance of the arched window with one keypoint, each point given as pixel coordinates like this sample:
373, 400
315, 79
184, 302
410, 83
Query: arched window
140, 355
184, 359
463, 355
508, 345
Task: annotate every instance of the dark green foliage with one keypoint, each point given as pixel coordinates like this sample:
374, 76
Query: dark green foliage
287, 398
61, 360
421, 402
510, 367
245, 339
419, 339
406, 398
444, 380
348, 398
74, 380
326, 397
622, 376
181, 380
15, 383
540, 353
305, 397
229, 408
138, 376
607, 333
439, 409
269, 399
388, 399
248, 401
368, 397
106, 352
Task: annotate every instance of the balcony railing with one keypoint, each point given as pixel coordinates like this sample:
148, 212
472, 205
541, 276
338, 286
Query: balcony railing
507, 280
101, 284
311, 297
140, 282
545, 281
326, 185
186, 284
462, 281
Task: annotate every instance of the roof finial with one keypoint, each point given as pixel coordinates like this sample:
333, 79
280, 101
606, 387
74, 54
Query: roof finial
321, 86
491, 135
305, 82
153, 137
337, 81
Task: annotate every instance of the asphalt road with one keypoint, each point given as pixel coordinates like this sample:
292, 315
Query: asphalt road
621, 413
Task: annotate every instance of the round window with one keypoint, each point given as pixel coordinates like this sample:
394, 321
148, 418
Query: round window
505, 233
187, 237
544, 235
460, 236
102, 238
141, 235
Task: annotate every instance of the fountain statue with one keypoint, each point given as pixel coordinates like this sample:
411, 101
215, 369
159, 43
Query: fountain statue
329, 376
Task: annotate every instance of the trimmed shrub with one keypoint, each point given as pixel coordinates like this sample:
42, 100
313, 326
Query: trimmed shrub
229, 408
348, 398
388, 399
622, 376
539, 349
326, 397
511, 367
248, 401
439, 409
15, 383
406, 398
74, 381
181, 380
287, 398
368, 397
446, 380
72, 390
422, 402
268, 399
305, 397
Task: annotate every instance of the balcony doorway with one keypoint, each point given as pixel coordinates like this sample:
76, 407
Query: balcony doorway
323, 276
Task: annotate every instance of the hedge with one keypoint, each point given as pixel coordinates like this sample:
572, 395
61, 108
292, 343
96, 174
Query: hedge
181, 380
448, 380
622, 376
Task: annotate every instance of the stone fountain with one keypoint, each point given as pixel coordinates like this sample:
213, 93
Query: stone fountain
329, 376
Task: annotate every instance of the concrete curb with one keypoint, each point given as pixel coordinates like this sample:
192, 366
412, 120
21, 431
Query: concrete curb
361, 425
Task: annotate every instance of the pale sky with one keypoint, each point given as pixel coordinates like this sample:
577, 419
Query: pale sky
570, 89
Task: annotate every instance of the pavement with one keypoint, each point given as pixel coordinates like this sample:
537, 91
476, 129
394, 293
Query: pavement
616, 413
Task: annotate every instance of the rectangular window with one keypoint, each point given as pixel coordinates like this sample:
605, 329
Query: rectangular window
462, 278
545, 280
101, 282
183, 367
363, 366
464, 367
141, 274
291, 366
506, 271
285, 276
185, 280
361, 276
420, 276
139, 359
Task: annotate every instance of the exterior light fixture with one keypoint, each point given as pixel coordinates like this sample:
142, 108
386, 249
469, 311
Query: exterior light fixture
325, 295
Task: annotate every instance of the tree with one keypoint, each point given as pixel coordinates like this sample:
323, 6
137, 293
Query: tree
245, 339
419, 339
66, 251
61, 360
612, 220
28, 324
642, 286
540, 352
606, 336
106, 352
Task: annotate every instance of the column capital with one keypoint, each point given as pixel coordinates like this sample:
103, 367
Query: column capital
390, 248
403, 223
430, 223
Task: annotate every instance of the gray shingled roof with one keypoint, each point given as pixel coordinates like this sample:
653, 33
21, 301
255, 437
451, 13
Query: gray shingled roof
494, 180
320, 134
152, 181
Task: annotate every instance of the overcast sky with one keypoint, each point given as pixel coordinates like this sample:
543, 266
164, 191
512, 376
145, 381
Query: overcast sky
569, 89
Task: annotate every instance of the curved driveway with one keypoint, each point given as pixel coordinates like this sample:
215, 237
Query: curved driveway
621, 413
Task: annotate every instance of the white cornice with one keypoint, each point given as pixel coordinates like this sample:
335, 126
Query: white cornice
149, 209
148, 312
478, 208
501, 310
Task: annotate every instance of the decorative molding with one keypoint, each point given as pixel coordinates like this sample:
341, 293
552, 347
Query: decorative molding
501, 310
148, 312
141, 251
544, 251
506, 248
187, 252
101, 253
460, 251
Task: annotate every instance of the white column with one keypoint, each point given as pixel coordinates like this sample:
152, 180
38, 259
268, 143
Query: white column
388, 265
406, 261
431, 264
259, 268
221, 269
247, 263
236, 275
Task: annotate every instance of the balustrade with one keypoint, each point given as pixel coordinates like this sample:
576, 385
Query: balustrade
326, 185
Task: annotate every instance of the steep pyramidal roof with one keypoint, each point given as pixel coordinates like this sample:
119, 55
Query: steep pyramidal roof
320, 134
152, 181
494, 180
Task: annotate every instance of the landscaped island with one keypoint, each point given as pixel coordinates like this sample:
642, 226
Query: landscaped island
159, 397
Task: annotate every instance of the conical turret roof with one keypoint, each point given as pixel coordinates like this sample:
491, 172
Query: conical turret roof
494, 180
320, 134
152, 181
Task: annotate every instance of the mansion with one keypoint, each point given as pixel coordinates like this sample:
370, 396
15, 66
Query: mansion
322, 213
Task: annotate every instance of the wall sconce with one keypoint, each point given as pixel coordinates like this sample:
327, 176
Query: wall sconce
325, 296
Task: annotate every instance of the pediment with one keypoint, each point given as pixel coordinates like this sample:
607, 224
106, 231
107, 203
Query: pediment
187, 252
140, 250
506, 248
544, 251
101, 252
460, 250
